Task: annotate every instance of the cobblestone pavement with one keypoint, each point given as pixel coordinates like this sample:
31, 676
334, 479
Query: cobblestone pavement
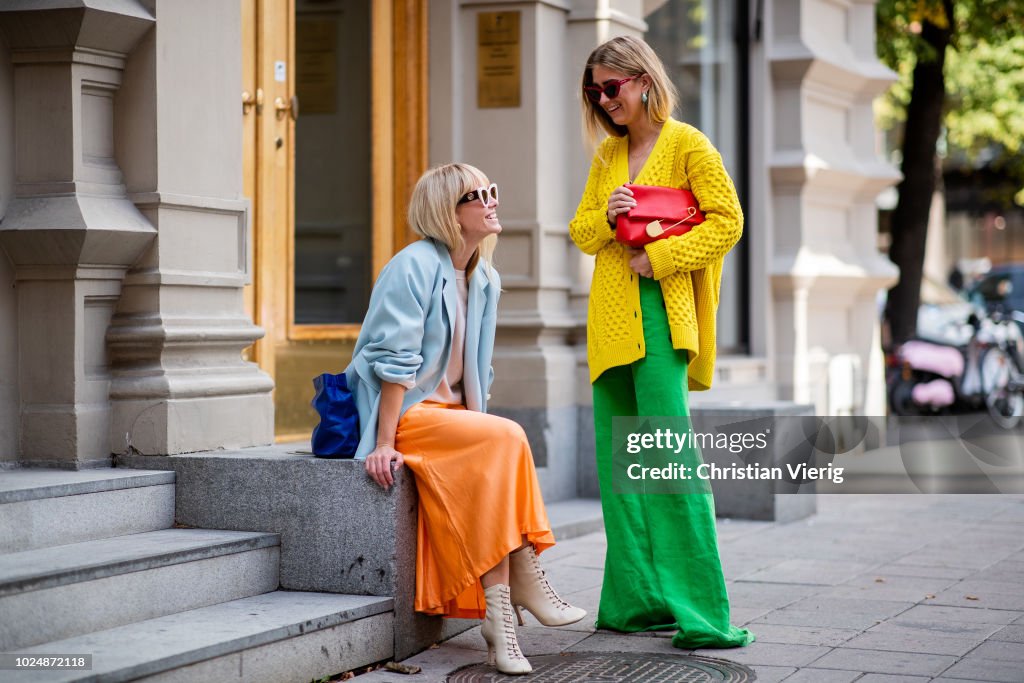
873, 589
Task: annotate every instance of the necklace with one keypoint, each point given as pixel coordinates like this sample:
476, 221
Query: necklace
641, 152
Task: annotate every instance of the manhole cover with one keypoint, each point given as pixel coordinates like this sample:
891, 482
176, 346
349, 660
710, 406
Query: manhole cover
614, 667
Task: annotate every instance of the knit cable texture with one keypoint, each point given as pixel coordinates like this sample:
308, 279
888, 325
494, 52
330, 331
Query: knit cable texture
688, 267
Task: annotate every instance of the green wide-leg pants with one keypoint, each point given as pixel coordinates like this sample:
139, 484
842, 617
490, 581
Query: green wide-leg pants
662, 570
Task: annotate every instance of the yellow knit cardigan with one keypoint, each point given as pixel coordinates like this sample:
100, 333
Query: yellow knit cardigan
689, 267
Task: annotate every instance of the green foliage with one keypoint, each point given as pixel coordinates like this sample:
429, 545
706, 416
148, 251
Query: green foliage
984, 72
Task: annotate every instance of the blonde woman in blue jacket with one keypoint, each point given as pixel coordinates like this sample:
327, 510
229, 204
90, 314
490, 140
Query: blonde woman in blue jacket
420, 374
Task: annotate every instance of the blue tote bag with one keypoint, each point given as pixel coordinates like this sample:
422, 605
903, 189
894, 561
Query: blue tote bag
337, 435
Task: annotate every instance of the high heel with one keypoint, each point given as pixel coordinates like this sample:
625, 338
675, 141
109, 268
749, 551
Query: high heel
530, 589
500, 633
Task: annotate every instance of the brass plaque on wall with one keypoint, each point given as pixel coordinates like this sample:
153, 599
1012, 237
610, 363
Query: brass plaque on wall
497, 60
316, 65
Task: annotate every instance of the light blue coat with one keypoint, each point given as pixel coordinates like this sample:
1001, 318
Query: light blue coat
406, 337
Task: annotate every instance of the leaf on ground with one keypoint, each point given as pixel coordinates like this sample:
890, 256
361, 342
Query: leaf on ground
402, 668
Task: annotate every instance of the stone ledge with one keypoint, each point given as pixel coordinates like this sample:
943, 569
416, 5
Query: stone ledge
340, 533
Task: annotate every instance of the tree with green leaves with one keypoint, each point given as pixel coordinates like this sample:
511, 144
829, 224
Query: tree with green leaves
961, 68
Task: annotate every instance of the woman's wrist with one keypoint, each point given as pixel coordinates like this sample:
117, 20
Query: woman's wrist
384, 443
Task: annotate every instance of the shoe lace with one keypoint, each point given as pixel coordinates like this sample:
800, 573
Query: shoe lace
545, 584
511, 642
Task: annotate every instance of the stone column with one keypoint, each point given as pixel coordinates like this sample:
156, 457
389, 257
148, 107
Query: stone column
822, 174
70, 231
179, 382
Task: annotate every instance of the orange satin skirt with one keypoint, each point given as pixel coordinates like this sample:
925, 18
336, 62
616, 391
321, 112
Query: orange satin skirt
478, 497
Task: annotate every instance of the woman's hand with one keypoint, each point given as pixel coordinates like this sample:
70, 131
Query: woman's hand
379, 467
621, 201
640, 262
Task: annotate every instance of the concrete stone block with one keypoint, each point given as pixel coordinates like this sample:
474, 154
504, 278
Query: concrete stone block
340, 532
897, 641
808, 572
816, 618
264, 631
1001, 650
60, 592
66, 611
930, 615
71, 519
771, 654
983, 669
802, 635
746, 499
772, 674
746, 593
810, 675
899, 663
304, 658
1010, 634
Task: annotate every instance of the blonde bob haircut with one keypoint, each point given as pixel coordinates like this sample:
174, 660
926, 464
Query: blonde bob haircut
631, 57
432, 208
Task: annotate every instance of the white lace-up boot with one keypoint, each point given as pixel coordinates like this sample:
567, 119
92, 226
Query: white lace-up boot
499, 631
531, 589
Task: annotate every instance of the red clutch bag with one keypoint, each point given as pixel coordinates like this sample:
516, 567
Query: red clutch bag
659, 212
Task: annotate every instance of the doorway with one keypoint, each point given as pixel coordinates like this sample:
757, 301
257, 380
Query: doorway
335, 133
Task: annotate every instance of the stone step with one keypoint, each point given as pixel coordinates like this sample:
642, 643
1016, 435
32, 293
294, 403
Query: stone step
279, 637
41, 508
61, 591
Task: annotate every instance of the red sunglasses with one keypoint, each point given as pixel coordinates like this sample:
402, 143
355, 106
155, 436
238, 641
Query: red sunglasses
611, 90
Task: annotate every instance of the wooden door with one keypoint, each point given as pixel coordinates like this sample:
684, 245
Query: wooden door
330, 159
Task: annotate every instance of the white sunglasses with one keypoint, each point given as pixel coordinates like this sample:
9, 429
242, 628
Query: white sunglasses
484, 194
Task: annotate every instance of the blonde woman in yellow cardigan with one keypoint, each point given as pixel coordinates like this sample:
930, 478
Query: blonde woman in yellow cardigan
651, 340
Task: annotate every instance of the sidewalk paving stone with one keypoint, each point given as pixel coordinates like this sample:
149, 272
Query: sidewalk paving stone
772, 674
1004, 570
935, 614
889, 678
817, 618
771, 654
904, 663
923, 571
983, 669
879, 609
738, 565
751, 593
579, 578
802, 635
809, 572
875, 586
946, 629
1012, 634
742, 616
533, 640
896, 641
1003, 651
811, 675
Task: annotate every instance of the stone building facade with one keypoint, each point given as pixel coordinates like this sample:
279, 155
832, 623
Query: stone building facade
154, 227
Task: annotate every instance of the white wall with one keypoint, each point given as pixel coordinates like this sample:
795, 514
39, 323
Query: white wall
8, 300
